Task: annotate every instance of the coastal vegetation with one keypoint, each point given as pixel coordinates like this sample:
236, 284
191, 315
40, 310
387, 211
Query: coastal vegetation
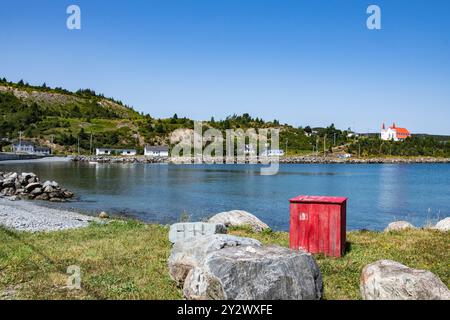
78, 122
128, 260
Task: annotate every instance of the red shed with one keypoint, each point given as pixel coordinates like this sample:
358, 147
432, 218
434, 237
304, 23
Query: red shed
318, 224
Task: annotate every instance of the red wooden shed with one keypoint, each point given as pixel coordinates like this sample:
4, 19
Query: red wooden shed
318, 224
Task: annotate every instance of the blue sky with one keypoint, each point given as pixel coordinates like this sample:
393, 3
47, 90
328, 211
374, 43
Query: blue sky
302, 62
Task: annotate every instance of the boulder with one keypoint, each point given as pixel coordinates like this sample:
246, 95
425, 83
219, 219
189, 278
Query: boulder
103, 215
50, 184
443, 225
56, 200
239, 218
398, 226
7, 192
37, 191
43, 197
186, 255
255, 273
390, 280
187, 231
9, 183
68, 194
31, 186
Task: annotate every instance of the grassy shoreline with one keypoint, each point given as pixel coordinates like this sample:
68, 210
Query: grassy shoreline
128, 260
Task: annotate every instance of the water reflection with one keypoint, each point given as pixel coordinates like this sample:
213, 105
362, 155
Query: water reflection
161, 193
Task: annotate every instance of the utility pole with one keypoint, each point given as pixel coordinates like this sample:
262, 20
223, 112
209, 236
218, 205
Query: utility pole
78, 145
90, 145
334, 139
324, 144
20, 138
317, 145
359, 149
51, 138
287, 145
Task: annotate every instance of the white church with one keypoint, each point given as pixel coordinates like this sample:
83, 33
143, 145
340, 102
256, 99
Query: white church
394, 133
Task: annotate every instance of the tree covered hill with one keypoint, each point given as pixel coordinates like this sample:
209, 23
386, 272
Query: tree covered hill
63, 120
69, 122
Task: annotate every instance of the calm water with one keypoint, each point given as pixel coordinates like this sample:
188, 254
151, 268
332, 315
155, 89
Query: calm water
378, 194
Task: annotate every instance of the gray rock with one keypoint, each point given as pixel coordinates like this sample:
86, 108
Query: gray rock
49, 189
31, 186
103, 215
390, 280
9, 183
443, 225
50, 184
56, 200
36, 191
43, 197
7, 192
187, 231
239, 218
398, 226
255, 273
186, 255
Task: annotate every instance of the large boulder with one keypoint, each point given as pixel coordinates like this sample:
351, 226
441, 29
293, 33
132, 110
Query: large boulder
398, 226
239, 218
255, 273
390, 280
186, 255
443, 225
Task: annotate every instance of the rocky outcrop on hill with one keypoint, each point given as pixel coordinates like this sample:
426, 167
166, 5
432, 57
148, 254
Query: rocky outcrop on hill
28, 186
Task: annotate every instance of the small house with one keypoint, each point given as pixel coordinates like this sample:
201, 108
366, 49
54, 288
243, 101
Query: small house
30, 148
156, 151
115, 152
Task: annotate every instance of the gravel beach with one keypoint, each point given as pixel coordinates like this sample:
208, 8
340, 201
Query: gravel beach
26, 216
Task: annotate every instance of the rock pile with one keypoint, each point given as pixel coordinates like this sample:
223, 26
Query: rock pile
128, 159
28, 186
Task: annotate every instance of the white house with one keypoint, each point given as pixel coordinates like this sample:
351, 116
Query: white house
30, 148
156, 151
115, 152
273, 153
394, 133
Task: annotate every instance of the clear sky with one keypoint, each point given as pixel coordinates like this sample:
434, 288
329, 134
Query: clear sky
302, 62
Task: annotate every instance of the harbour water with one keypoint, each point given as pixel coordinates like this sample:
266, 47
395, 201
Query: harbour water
161, 193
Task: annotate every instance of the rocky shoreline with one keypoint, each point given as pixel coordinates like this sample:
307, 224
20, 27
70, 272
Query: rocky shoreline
17, 186
32, 217
282, 160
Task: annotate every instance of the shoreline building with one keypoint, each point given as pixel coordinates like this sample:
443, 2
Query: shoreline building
394, 133
115, 152
156, 151
30, 148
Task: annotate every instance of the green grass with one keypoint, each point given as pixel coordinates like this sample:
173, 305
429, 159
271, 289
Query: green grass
128, 260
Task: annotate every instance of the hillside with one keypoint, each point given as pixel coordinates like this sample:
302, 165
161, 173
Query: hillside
78, 122
58, 118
